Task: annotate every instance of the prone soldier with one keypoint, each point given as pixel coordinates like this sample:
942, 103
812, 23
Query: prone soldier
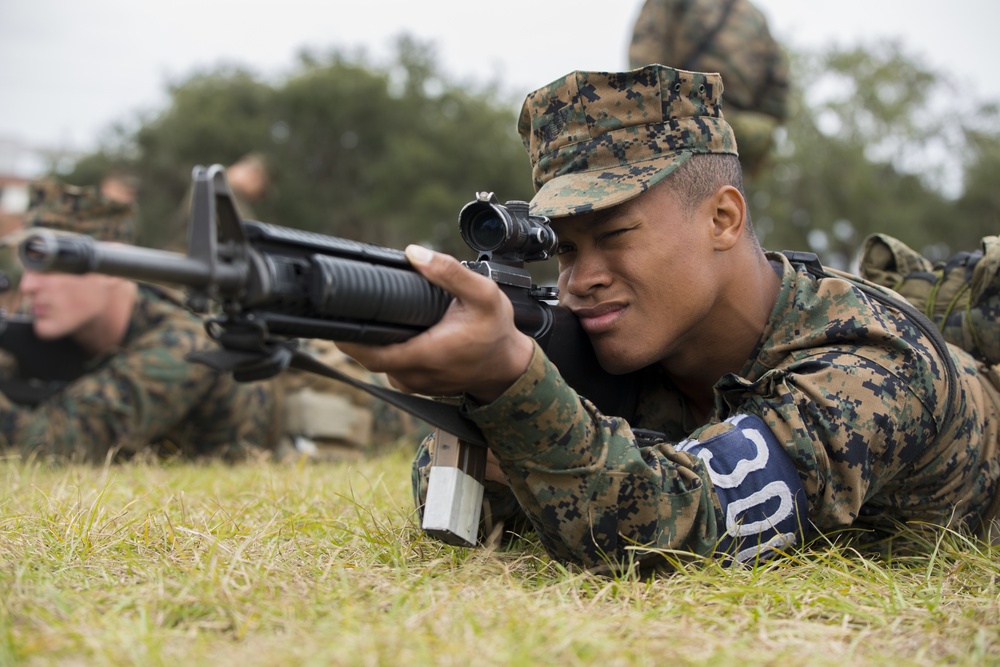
775, 399
178, 404
136, 393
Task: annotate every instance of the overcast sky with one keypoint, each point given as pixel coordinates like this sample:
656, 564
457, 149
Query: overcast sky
70, 68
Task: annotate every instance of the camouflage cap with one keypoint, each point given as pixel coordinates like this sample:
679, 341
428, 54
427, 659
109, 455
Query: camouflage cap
597, 139
83, 210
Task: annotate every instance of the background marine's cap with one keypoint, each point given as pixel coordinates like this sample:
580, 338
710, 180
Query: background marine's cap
597, 139
82, 210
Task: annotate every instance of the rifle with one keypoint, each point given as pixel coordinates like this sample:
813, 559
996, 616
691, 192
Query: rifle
263, 286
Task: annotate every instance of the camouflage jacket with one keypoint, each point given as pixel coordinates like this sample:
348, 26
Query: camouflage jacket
145, 396
852, 395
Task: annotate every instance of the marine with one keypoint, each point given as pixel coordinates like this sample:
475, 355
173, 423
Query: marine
777, 399
730, 37
137, 394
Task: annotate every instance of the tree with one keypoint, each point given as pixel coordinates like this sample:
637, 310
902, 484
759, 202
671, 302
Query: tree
385, 155
863, 153
389, 154
979, 205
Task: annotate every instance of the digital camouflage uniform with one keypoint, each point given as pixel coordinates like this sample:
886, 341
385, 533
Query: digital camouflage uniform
961, 295
730, 37
844, 414
144, 395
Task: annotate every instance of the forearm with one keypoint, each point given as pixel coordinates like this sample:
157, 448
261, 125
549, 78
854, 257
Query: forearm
588, 488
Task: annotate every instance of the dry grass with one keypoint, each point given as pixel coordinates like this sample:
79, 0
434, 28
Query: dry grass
324, 565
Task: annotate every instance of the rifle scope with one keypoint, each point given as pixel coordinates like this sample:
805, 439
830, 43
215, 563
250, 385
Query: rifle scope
505, 231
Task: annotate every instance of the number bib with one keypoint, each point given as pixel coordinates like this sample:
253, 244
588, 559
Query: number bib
762, 497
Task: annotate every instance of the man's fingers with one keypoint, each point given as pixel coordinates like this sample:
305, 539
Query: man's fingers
444, 271
475, 348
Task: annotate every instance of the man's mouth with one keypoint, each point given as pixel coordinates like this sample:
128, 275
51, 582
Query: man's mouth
601, 318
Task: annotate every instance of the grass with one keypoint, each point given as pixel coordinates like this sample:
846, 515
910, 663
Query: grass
324, 564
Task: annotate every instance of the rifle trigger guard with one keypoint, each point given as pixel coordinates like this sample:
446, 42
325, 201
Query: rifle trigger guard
264, 367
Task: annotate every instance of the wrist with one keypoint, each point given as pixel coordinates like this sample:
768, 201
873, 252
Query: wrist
519, 358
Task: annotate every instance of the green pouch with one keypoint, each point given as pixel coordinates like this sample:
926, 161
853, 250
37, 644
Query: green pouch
961, 295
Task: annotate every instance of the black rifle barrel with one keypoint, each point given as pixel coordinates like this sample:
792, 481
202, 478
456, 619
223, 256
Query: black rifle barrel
47, 251
289, 305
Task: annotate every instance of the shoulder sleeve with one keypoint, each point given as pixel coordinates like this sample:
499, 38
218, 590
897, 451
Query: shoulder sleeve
761, 497
147, 392
657, 35
594, 492
852, 426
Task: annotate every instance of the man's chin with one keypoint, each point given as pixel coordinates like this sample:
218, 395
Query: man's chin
47, 333
620, 362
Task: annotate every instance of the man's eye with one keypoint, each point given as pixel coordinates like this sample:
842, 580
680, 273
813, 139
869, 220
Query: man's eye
614, 233
564, 248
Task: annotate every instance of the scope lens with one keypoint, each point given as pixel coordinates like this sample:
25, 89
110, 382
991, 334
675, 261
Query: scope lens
487, 231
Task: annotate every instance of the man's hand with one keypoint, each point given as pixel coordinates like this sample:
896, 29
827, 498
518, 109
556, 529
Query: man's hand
474, 349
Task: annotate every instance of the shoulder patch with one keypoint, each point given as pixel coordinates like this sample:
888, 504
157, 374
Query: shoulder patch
760, 492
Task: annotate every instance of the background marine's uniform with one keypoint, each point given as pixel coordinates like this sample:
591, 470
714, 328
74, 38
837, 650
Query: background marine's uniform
142, 395
730, 37
145, 395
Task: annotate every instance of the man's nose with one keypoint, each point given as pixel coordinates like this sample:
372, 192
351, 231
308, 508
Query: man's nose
587, 273
30, 281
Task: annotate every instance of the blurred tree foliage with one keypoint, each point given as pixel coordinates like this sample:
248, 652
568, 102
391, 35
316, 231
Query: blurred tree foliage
876, 143
382, 155
979, 205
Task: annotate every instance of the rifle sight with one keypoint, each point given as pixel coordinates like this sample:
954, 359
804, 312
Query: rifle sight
505, 232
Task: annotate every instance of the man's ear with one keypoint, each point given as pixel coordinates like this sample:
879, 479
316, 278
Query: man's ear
728, 218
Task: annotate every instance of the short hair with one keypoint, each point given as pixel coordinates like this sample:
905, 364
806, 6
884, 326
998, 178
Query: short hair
702, 175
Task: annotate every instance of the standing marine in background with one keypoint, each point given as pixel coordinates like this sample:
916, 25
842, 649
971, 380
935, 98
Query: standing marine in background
730, 37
